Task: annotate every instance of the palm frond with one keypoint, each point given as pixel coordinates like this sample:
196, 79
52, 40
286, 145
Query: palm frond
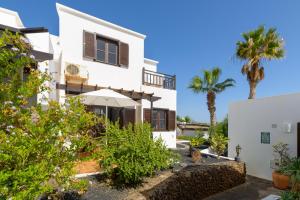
207, 79
220, 87
196, 84
216, 73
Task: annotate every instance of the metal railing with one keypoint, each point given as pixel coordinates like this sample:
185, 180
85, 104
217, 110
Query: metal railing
157, 79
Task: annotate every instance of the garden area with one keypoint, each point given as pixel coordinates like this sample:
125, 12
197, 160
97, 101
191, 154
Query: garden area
42, 150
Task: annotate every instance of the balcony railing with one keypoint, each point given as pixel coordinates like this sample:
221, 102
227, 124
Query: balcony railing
156, 79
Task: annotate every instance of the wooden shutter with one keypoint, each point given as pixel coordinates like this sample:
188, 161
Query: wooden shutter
129, 116
171, 120
89, 45
123, 54
147, 115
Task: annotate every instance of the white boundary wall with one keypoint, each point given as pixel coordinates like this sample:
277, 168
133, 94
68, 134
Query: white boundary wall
247, 119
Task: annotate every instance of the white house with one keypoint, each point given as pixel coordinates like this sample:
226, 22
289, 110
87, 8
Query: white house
258, 124
91, 54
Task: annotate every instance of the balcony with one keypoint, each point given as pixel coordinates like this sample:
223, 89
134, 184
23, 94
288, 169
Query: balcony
160, 80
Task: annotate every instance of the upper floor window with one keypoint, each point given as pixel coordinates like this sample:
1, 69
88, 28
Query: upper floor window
107, 51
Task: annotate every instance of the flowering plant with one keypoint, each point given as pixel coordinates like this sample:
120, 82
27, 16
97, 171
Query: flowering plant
37, 147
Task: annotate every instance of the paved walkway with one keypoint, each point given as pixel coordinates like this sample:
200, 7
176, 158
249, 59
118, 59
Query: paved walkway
253, 189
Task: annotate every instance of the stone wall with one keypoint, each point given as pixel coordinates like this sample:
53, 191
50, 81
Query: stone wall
196, 182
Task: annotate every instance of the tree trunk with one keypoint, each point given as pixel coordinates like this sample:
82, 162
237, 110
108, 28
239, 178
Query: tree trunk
252, 93
211, 98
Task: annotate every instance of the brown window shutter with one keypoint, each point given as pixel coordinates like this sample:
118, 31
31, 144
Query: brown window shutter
123, 54
171, 120
147, 115
89, 45
129, 116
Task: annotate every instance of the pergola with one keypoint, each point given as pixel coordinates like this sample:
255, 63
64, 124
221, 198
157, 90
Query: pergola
73, 88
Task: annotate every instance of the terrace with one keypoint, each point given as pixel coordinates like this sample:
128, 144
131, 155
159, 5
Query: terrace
160, 80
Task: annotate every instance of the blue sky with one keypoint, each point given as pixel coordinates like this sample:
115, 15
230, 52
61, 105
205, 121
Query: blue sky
192, 35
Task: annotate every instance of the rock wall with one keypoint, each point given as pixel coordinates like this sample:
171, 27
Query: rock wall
198, 182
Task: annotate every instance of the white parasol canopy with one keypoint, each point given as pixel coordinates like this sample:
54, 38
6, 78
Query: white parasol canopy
107, 97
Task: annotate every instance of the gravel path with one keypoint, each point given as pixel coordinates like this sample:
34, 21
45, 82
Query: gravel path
101, 191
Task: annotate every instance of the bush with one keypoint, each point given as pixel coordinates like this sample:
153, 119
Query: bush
288, 195
196, 140
185, 137
130, 154
38, 146
219, 143
292, 169
222, 127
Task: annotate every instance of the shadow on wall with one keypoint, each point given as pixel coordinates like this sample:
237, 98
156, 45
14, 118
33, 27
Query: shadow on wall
198, 182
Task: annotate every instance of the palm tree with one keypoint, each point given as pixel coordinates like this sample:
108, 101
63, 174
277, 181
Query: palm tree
258, 45
210, 85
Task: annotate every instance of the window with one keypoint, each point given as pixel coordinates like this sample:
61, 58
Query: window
107, 51
159, 119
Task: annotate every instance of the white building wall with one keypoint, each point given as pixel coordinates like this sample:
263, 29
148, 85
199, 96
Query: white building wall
71, 29
10, 18
40, 41
167, 101
150, 64
247, 119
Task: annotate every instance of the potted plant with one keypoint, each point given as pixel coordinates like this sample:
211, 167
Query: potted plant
281, 180
195, 144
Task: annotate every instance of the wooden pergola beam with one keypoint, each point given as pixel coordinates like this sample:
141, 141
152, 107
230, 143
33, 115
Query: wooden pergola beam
81, 88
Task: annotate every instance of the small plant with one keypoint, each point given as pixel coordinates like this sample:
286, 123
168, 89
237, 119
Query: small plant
185, 137
281, 154
289, 195
292, 169
130, 154
197, 141
219, 143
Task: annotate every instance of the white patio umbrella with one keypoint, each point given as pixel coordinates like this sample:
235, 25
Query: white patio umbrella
107, 98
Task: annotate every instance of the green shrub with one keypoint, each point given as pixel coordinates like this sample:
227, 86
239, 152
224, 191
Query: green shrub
288, 195
185, 137
130, 154
292, 169
196, 140
222, 127
219, 143
38, 146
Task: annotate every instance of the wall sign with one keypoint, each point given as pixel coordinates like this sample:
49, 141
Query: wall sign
265, 137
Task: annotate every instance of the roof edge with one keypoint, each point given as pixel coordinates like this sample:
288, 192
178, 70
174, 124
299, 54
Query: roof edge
14, 13
63, 8
150, 61
265, 98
